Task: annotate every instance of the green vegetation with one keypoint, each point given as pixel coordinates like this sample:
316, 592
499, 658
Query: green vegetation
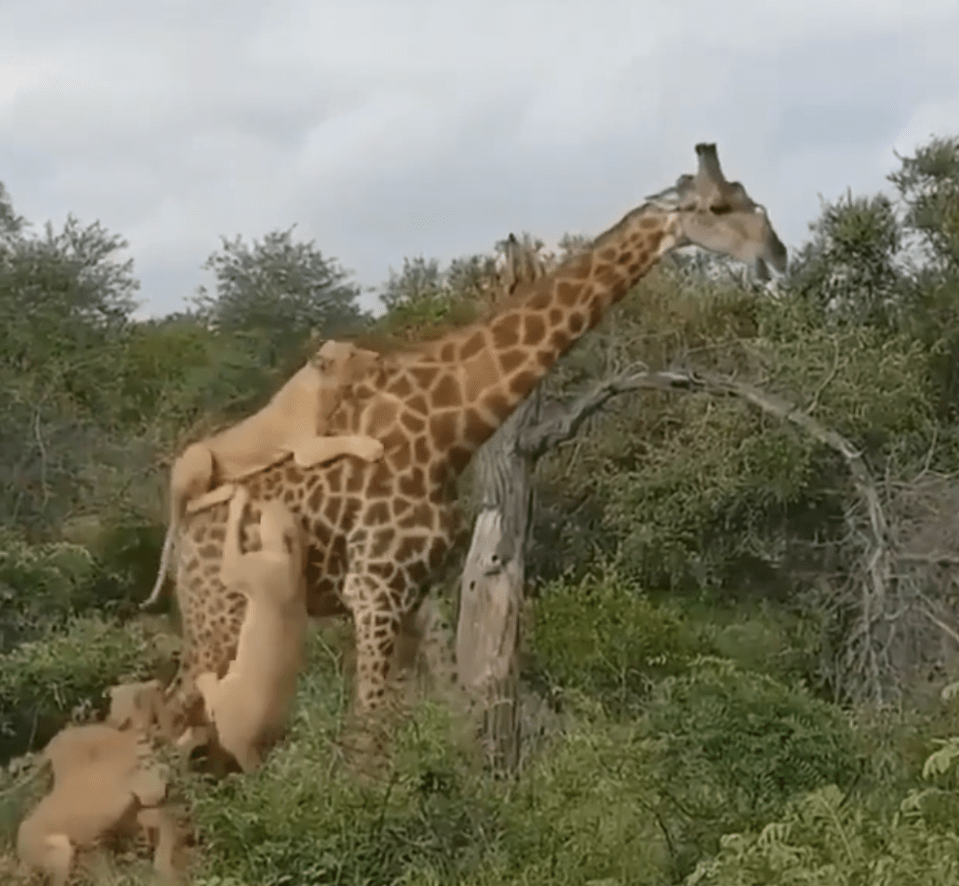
744, 627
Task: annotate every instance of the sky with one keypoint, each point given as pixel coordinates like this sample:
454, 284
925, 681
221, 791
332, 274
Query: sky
386, 129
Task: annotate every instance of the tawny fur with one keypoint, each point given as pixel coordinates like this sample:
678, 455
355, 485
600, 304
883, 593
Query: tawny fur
140, 706
105, 779
293, 422
249, 705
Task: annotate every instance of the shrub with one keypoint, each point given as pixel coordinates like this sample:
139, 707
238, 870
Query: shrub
41, 586
578, 812
732, 747
42, 681
605, 638
823, 841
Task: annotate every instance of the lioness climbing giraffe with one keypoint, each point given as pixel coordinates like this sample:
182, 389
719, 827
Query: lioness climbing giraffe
293, 422
378, 533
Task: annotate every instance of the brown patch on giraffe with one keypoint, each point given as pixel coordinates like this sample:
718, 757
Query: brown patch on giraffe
443, 428
608, 254
331, 510
555, 315
384, 569
437, 556
648, 223
334, 477
560, 340
534, 329
382, 539
421, 516
596, 308
498, 403
424, 376
459, 457
446, 393
510, 360
292, 473
322, 533
653, 241
412, 422
314, 501
505, 331
576, 323
475, 426
413, 485
351, 512
379, 484
421, 450
401, 386
393, 440
540, 301
545, 359
608, 276
400, 506
448, 352
567, 293
409, 547
356, 479
625, 257
401, 456
473, 345
635, 268
417, 572
523, 383
418, 404
376, 513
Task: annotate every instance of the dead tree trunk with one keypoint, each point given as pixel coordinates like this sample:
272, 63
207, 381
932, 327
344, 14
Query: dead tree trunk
491, 593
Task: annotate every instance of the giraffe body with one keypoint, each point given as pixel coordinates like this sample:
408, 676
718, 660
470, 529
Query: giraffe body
378, 533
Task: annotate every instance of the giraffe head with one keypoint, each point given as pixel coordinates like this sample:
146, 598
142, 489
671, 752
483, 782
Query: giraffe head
720, 216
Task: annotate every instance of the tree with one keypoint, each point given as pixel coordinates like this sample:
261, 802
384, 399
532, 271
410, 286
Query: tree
275, 291
65, 304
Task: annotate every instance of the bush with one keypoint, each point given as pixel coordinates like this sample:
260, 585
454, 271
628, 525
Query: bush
577, 813
732, 747
605, 638
823, 841
42, 681
41, 586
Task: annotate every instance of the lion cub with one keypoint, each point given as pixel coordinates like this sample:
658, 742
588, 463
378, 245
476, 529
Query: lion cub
105, 779
293, 422
249, 705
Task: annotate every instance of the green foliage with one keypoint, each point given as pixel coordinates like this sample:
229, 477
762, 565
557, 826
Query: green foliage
602, 636
42, 681
276, 290
41, 587
732, 747
823, 840
577, 814
851, 266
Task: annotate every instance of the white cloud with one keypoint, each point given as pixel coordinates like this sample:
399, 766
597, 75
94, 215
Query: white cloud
388, 129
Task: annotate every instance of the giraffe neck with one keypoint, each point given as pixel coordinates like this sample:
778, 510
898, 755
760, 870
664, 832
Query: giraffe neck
464, 385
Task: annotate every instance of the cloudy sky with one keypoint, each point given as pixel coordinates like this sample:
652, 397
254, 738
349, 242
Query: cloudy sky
386, 129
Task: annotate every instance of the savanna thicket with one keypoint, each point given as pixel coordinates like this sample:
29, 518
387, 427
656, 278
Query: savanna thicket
742, 595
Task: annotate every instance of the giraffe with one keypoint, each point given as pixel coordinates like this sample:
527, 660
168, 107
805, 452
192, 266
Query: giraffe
378, 533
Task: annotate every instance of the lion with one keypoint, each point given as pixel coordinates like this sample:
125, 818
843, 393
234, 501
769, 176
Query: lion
292, 423
248, 707
105, 780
